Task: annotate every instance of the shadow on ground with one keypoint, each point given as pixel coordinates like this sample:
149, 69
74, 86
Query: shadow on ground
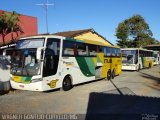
3, 92
157, 79
108, 106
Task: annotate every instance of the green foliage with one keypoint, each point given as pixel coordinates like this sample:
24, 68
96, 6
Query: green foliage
9, 24
122, 31
122, 34
4, 30
134, 32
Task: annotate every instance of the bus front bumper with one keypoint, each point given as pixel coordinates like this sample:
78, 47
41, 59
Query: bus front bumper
36, 86
129, 67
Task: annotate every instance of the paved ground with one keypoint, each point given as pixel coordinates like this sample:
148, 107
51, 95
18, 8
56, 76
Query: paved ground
131, 93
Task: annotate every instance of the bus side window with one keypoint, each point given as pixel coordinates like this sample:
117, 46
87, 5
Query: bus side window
113, 51
82, 49
104, 51
108, 51
118, 54
54, 45
140, 53
69, 48
99, 49
92, 50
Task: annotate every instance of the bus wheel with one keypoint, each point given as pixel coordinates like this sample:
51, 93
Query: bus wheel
149, 65
67, 83
139, 67
113, 74
109, 75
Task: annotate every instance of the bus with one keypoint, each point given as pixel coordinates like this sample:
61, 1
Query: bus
46, 62
136, 58
156, 55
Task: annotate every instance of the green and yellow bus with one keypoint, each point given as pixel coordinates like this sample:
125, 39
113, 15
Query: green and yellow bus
46, 62
136, 58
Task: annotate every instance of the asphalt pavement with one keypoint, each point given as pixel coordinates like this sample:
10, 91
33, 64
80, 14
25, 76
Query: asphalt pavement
131, 95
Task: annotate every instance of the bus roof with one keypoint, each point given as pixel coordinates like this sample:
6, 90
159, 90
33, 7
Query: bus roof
64, 38
136, 49
41, 36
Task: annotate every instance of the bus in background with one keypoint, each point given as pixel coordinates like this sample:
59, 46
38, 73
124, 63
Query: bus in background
156, 55
136, 58
46, 62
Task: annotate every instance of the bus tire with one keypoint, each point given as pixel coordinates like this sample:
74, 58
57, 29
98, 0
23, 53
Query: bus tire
109, 75
139, 67
113, 74
67, 83
149, 66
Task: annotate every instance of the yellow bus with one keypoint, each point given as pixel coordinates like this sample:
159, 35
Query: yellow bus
136, 58
46, 62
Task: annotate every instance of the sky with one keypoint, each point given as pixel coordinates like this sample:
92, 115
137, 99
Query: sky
101, 15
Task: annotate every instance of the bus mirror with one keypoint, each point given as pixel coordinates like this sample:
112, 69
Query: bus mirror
39, 53
4, 53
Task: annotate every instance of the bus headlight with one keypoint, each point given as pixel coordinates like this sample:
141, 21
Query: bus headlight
37, 80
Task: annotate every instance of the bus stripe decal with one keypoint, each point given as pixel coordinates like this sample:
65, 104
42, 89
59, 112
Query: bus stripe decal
21, 79
90, 64
83, 66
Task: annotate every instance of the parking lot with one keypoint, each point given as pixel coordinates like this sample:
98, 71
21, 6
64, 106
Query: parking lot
134, 93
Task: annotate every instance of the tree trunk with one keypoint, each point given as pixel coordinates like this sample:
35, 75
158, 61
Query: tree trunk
3, 38
12, 41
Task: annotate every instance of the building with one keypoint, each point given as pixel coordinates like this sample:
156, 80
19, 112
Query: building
153, 47
29, 26
87, 35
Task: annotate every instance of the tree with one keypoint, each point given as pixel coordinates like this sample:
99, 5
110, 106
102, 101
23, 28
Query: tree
4, 29
9, 24
134, 32
13, 24
122, 34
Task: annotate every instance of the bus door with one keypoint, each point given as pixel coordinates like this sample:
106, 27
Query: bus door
106, 70
99, 66
51, 59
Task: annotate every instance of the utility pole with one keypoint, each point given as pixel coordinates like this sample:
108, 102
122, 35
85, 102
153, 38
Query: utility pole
46, 10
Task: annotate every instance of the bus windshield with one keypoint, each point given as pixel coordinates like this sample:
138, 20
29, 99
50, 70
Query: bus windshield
30, 43
129, 56
127, 59
155, 55
24, 62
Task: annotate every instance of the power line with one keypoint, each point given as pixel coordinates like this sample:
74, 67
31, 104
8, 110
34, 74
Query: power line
46, 10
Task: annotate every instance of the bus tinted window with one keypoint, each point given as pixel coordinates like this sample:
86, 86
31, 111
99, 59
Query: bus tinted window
69, 48
143, 53
151, 54
54, 45
118, 52
104, 51
81, 49
51, 58
108, 51
113, 51
92, 50
99, 48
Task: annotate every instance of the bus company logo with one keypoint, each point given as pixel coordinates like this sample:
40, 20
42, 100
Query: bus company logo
52, 84
68, 63
16, 78
107, 60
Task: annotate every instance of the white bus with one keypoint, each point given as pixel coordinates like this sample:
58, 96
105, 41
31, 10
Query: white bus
41, 63
136, 58
156, 55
